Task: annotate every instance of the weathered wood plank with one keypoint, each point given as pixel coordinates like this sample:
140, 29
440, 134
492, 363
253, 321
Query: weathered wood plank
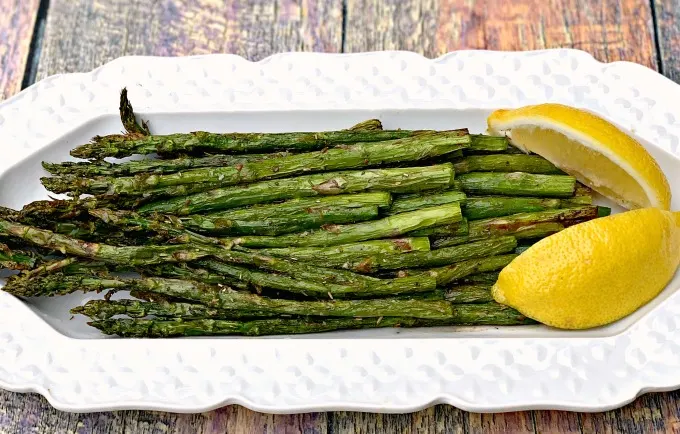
17, 20
30, 413
520, 422
83, 34
609, 29
436, 420
642, 416
562, 422
668, 28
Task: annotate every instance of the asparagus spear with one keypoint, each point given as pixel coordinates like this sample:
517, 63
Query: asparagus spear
398, 180
186, 272
156, 328
368, 125
480, 143
295, 215
392, 226
522, 225
469, 294
456, 229
105, 309
329, 283
230, 143
339, 256
223, 298
506, 163
356, 156
509, 224
58, 284
284, 224
308, 288
127, 117
487, 279
576, 201
17, 260
238, 301
498, 206
298, 270
473, 314
521, 232
518, 184
104, 168
412, 202
168, 227
130, 255
459, 270
372, 263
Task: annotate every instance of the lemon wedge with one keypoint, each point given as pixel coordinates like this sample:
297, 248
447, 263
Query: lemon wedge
589, 148
595, 272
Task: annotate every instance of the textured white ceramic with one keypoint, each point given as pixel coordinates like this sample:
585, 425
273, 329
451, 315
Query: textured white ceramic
477, 369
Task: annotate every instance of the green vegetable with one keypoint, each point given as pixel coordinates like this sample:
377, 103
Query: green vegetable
296, 215
413, 202
506, 163
355, 156
392, 226
517, 184
397, 180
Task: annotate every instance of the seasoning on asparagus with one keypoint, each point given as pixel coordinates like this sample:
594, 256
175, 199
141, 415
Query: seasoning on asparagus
392, 226
469, 294
397, 180
488, 279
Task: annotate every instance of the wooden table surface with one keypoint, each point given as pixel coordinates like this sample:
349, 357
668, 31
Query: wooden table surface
44, 37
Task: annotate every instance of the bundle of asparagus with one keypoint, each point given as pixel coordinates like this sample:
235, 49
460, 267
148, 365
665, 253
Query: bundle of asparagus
282, 233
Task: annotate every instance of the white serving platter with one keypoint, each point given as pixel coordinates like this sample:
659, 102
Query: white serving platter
475, 368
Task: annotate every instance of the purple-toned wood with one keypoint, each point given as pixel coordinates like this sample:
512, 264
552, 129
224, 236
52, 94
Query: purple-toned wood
17, 20
84, 34
668, 25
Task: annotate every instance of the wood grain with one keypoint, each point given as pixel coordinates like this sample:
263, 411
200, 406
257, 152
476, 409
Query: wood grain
668, 27
609, 29
83, 34
17, 20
